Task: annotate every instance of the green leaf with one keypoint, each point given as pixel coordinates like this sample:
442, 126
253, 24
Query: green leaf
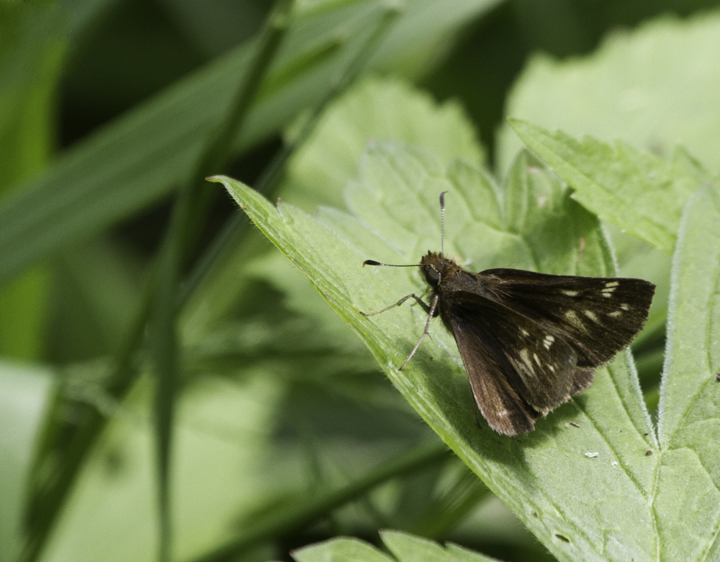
653, 87
694, 309
377, 108
139, 158
635, 190
341, 550
220, 471
404, 547
408, 548
31, 56
24, 394
581, 507
96, 289
686, 497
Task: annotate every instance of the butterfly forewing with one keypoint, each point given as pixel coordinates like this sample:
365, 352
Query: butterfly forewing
500, 405
596, 316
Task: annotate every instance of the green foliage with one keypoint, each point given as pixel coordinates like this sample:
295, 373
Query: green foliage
653, 88
140, 157
24, 395
375, 109
404, 547
615, 465
635, 190
272, 427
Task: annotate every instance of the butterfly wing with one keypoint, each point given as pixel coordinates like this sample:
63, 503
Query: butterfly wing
596, 316
518, 371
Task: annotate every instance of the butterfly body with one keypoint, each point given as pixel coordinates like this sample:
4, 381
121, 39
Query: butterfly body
529, 341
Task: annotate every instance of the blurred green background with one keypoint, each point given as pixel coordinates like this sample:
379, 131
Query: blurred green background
158, 365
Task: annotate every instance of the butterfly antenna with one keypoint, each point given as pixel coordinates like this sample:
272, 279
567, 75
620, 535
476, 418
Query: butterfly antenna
373, 262
442, 223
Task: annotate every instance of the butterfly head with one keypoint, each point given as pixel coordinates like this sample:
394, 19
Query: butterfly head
436, 267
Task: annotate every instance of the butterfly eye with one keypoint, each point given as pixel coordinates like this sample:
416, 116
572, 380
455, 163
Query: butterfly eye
432, 276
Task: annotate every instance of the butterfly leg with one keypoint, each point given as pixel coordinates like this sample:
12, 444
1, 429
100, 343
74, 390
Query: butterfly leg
431, 313
424, 306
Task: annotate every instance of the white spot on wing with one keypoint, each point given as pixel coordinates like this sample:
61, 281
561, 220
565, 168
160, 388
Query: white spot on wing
590, 314
609, 288
525, 356
573, 319
570, 293
523, 353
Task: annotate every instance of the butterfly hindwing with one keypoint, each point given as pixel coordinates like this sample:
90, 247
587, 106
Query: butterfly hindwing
517, 370
505, 411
